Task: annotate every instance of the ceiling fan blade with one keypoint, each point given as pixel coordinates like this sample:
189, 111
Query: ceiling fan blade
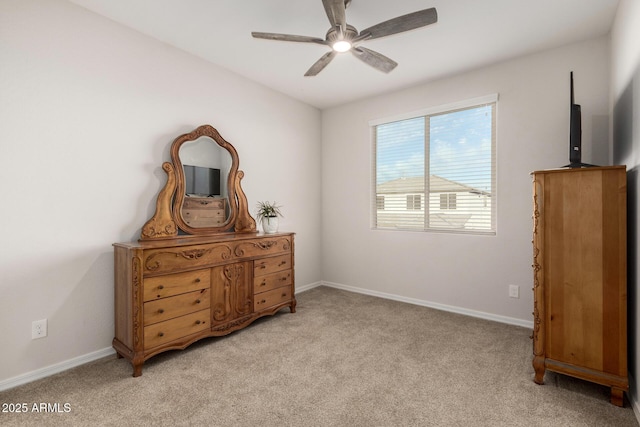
374, 59
288, 38
321, 63
402, 23
336, 13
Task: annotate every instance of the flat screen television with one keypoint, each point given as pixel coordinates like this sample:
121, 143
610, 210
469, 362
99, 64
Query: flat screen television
575, 132
201, 181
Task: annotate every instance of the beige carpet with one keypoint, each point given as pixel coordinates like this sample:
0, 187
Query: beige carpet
343, 359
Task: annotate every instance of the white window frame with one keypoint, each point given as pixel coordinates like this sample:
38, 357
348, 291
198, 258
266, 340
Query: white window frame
451, 107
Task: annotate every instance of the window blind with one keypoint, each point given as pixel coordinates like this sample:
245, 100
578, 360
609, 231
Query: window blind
437, 171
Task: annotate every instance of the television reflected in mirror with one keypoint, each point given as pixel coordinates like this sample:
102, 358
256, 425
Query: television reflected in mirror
201, 181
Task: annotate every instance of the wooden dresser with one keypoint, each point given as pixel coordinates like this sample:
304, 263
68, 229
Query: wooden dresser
580, 272
170, 293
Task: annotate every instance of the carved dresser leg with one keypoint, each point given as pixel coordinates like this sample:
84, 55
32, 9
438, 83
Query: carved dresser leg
137, 369
538, 366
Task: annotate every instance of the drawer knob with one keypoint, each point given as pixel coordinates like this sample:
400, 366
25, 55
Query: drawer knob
284, 294
197, 301
264, 282
161, 310
198, 322
160, 286
263, 301
263, 266
283, 262
198, 280
160, 334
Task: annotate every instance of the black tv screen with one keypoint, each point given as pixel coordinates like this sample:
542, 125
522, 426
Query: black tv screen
575, 131
201, 181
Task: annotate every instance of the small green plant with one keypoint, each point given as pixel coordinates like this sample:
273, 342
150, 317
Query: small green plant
268, 210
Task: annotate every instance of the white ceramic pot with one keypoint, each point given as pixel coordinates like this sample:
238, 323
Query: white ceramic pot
270, 224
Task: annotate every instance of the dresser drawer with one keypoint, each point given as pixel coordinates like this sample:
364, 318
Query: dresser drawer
203, 203
175, 284
169, 330
272, 297
167, 260
179, 305
271, 281
263, 247
271, 264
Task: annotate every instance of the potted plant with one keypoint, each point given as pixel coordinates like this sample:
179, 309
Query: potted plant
268, 214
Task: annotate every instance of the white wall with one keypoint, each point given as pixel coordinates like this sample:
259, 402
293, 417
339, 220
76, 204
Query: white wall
625, 104
88, 110
468, 272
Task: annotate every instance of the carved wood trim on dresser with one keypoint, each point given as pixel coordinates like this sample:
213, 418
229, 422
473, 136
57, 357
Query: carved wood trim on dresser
170, 293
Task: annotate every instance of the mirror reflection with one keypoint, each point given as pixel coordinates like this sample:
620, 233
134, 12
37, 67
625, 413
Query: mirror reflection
206, 168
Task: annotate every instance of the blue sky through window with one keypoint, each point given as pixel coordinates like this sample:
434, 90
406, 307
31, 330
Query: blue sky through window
460, 145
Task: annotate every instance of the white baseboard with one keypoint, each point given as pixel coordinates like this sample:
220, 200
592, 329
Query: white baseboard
304, 288
54, 369
444, 307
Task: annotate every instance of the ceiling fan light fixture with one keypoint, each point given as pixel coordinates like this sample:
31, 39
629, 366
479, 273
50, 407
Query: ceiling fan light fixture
341, 46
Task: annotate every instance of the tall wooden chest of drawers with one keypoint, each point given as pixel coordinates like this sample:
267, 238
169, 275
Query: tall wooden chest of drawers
580, 272
171, 293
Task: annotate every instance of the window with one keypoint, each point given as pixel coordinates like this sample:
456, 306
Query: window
414, 202
448, 201
444, 156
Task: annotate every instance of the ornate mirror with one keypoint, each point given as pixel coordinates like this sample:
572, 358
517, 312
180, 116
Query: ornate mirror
203, 193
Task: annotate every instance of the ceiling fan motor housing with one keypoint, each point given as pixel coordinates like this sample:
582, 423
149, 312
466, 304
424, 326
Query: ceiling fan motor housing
333, 35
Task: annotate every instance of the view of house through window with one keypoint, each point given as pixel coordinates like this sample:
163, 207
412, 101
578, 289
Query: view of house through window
436, 171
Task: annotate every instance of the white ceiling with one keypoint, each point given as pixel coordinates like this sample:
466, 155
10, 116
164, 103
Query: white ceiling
468, 34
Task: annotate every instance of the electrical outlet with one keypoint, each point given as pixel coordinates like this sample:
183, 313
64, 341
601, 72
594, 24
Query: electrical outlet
38, 329
514, 291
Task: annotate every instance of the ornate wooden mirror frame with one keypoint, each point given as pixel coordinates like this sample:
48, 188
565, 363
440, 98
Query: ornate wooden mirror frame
168, 216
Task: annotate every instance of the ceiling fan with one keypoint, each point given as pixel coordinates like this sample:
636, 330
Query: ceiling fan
343, 37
